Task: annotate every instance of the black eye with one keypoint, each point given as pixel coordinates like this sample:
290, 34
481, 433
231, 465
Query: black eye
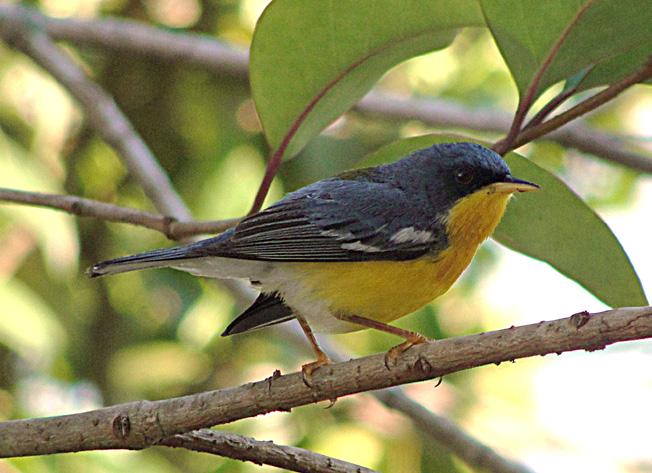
464, 175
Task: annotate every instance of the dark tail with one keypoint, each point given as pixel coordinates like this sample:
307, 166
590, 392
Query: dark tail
159, 258
150, 259
268, 309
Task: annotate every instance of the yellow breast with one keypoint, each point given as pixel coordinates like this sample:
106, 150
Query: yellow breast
387, 290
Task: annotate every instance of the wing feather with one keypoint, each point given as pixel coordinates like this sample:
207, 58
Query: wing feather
337, 221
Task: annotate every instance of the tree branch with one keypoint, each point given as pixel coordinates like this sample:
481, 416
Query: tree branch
525, 103
135, 37
445, 432
143, 423
82, 207
243, 448
471, 451
593, 102
100, 109
211, 54
441, 113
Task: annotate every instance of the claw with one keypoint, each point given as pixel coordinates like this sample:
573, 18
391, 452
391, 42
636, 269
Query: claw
309, 368
392, 355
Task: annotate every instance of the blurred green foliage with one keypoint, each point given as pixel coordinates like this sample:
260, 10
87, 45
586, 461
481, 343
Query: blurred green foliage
68, 343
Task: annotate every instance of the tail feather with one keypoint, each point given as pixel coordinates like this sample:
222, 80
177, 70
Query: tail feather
162, 258
150, 259
267, 309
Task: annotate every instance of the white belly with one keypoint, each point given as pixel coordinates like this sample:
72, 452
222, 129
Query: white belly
271, 277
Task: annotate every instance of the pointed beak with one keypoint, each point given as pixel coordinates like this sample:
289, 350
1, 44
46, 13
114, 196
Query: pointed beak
511, 184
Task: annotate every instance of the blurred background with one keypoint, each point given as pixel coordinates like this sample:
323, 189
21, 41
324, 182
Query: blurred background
68, 343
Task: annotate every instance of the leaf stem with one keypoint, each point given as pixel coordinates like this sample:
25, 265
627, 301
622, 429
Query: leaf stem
277, 156
548, 108
525, 103
583, 107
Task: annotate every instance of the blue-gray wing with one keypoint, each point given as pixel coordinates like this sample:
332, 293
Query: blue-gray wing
335, 220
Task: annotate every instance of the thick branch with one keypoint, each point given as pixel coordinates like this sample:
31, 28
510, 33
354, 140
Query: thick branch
82, 207
101, 111
447, 433
244, 448
143, 423
211, 54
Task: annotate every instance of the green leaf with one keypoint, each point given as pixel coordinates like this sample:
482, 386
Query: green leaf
615, 36
553, 225
558, 227
311, 61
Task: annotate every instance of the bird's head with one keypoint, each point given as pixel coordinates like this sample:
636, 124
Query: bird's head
468, 187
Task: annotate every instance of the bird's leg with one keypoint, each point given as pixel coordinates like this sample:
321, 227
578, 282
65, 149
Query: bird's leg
322, 357
411, 338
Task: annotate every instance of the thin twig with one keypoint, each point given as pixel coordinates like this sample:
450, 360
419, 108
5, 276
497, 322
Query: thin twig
143, 423
244, 448
526, 102
101, 111
550, 107
278, 154
139, 38
82, 207
585, 106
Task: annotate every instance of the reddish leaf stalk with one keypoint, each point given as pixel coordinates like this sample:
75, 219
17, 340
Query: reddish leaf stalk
550, 107
584, 107
524, 105
277, 157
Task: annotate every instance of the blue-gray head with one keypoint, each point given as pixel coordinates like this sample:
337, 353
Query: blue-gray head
450, 171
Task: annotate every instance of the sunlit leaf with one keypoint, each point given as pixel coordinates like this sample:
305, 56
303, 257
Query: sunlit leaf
614, 36
553, 225
311, 61
558, 227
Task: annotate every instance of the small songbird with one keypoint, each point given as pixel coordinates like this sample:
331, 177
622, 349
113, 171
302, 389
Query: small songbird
357, 250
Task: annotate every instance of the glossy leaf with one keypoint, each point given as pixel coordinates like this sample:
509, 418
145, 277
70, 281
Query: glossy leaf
553, 225
311, 61
615, 37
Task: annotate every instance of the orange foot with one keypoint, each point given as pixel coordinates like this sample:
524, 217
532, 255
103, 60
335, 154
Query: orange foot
309, 368
391, 357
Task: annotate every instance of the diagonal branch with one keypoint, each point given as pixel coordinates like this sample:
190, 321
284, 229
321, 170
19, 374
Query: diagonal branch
477, 455
551, 106
82, 207
472, 452
144, 423
277, 156
593, 102
243, 448
139, 38
101, 111
526, 102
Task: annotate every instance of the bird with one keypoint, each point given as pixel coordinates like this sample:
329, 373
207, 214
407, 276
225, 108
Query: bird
358, 250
